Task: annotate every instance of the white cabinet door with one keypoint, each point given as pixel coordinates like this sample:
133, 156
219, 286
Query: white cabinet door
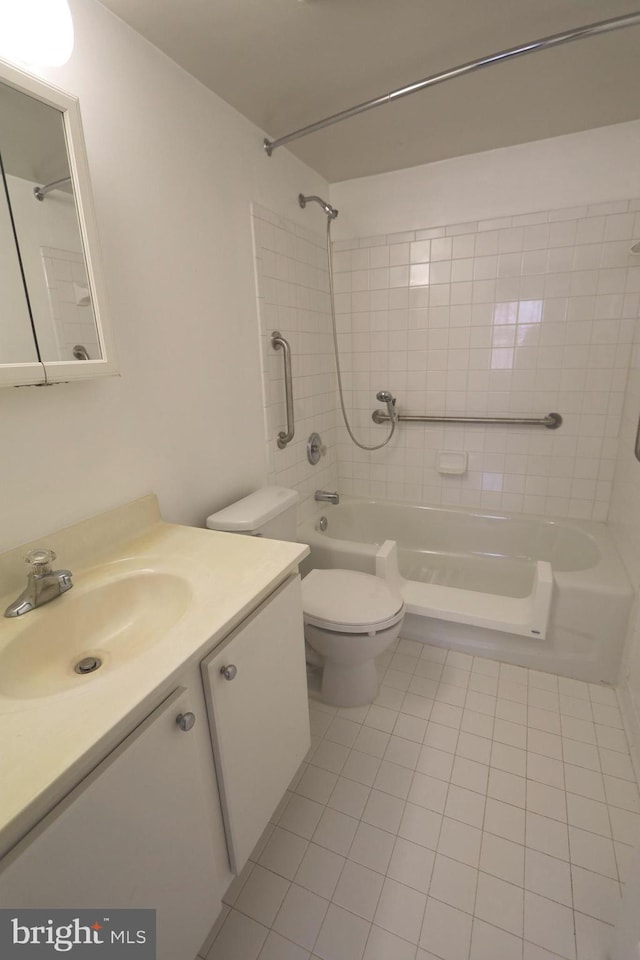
135, 833
259, 717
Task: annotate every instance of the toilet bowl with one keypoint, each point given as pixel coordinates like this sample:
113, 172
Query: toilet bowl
349, 617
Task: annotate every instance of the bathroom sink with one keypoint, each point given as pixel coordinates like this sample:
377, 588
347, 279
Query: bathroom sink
101, 625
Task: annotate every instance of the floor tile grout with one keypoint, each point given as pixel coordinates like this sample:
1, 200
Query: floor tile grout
539, 799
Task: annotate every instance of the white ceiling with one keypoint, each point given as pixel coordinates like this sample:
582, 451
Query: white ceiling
288, 63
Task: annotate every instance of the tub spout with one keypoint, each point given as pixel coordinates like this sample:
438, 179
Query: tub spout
325, 497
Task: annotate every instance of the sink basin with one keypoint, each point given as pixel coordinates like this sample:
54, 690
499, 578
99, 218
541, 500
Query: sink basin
113, 621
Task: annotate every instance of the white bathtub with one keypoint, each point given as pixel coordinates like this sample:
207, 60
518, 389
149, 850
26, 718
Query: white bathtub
547, 594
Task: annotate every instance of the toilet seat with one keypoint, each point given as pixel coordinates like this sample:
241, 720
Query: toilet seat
347, 601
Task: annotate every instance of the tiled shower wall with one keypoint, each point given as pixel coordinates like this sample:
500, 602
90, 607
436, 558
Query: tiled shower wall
519, 316
70, 302
293, 297
624, 523
624, 515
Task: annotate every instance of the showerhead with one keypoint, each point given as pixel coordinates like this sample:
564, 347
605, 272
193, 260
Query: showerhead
636, 247
330, 211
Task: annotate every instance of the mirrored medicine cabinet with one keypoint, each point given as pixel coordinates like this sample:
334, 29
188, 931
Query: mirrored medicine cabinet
53, 320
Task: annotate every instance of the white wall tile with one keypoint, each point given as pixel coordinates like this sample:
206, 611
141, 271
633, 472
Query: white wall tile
293, 298
548, 275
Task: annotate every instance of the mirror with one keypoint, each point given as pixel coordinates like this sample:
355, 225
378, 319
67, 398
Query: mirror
17, 337
53, 325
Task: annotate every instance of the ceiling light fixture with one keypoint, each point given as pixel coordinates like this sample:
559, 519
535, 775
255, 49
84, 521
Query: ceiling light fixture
36, 32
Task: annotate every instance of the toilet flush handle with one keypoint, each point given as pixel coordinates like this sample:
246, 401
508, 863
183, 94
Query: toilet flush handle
229, 672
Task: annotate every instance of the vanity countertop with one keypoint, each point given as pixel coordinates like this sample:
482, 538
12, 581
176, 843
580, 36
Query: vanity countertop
47, 741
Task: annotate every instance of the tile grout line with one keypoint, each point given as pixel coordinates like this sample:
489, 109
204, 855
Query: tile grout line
573, 912
453, 752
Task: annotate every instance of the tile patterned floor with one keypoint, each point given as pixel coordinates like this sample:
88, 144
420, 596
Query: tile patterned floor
475, 811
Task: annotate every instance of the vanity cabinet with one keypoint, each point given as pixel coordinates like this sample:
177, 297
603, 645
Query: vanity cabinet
156, 824
137, 832
256, 690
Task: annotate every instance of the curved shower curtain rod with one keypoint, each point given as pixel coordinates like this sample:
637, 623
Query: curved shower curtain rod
579, 33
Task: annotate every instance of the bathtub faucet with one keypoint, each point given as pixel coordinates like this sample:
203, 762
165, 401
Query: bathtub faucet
326, 497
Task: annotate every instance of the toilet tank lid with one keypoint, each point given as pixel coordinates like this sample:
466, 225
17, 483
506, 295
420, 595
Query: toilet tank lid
251, 512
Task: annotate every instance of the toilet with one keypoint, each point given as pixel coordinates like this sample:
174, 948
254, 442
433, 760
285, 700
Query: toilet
350, 618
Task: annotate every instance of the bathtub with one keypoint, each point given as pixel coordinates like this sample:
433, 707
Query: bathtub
548, 594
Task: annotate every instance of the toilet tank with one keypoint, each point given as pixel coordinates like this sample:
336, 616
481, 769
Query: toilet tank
268, 512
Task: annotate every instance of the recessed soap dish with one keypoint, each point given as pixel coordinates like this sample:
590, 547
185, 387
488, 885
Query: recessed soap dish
452, 461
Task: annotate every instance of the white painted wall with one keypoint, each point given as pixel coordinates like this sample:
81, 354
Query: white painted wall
581, 168
174, 170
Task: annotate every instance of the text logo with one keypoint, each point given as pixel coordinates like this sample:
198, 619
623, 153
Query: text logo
80, 934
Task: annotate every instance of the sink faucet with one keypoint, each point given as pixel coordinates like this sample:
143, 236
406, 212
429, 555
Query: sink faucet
326, 497
43, 583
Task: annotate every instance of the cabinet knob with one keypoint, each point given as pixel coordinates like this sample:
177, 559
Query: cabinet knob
229, 672
185, 721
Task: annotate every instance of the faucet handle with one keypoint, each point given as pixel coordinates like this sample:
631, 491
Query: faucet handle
40, 560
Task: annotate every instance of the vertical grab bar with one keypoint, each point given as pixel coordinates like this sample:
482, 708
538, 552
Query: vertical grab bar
277, 341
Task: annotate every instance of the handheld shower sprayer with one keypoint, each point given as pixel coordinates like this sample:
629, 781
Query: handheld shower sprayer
384, 396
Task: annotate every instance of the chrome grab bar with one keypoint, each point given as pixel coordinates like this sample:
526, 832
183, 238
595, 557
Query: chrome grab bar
552, 421
277, 342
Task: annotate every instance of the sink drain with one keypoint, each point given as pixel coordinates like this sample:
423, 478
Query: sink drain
87, 665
